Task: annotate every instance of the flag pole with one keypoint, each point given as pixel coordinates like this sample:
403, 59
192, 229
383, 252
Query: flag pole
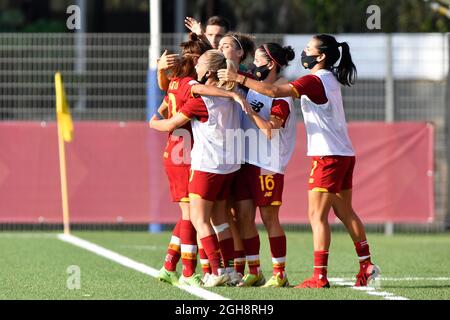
62, 154
62, 169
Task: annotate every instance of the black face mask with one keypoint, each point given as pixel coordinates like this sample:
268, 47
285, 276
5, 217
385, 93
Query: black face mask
260, 72
308, 62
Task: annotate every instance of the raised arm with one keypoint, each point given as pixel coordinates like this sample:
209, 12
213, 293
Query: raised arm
267, 89
165, 62
196, 27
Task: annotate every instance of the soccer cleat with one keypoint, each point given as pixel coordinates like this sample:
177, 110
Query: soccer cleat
367, 274
252, 280
170, 277
235, 278
194, 281
205, 277
217, 280
277, 282
314, 283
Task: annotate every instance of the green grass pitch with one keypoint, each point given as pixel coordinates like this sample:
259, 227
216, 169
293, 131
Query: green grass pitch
34, 266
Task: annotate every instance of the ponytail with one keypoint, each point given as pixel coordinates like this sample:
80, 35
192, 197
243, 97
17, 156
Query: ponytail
346, 71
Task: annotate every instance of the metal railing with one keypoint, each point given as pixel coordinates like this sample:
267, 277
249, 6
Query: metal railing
108, 82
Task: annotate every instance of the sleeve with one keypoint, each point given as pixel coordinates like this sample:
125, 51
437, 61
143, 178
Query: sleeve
310, 86
280, 109
195, 108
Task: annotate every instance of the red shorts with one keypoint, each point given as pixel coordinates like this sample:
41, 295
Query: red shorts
210, 186
178, 182
264, 189
331, 173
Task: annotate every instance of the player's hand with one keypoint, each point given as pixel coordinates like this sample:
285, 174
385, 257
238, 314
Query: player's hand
227, 75
193, 25
167, 61
246, 107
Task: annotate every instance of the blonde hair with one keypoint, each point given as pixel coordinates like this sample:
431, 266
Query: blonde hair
215, 60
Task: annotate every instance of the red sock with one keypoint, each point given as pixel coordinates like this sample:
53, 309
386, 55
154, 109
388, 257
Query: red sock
188, 247
227, 251
173, 251
252, 254
320, 264
239, 261
362, 249
206, 268
211, 246
278, 250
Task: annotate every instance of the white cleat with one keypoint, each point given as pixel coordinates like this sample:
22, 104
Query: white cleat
217, 280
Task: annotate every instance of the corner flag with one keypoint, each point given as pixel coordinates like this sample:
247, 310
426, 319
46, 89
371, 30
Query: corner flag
65, 133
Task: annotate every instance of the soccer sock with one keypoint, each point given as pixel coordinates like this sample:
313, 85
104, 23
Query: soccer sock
188, 247
227, 251
239, 261
320, 264
204, 261
252, 254
278, 250
211, 246
173, 251
362, 249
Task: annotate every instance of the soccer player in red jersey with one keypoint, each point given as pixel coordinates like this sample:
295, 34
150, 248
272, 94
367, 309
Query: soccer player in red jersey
329, 146
211, 170
177, 166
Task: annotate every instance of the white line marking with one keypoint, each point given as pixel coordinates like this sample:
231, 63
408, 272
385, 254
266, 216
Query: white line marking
127, 262
369, 290
401, 279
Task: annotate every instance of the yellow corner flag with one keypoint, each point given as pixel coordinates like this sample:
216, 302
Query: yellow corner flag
62, 110
65, 133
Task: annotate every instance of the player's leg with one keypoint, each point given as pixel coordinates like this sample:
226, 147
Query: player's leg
204, 262
239, 251
267, 195
178, 181
246, 213
188, 247
319, 205
221, 226
204, 189
277, 242
344, 211
168, 272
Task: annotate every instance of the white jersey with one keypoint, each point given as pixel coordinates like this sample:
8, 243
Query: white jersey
325, 124
272, 155
214, 147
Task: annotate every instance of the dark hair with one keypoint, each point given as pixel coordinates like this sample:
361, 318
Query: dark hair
218, 21
278, 54
244, 42
191, 51
346, 71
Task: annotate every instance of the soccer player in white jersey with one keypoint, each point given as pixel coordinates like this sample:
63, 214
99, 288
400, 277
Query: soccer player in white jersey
214, 120
329, 146
270, 131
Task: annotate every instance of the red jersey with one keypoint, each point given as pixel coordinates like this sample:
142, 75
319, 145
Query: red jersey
178, 93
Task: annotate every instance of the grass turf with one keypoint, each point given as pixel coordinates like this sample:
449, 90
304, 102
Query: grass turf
34, 267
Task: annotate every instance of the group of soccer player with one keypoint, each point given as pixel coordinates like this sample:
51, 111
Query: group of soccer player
209, 93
